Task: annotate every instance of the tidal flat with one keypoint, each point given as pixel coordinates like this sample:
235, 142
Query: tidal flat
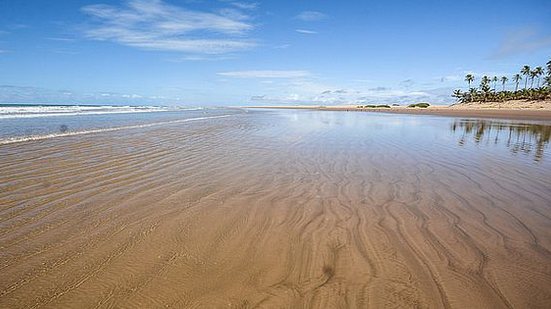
281, 209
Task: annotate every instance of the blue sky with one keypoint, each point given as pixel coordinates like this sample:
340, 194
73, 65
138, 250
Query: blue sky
224, 52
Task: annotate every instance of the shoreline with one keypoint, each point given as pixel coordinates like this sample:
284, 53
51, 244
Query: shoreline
445, 111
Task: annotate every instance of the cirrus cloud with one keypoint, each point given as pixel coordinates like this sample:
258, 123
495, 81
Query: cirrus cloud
305, 31
156, 25
521, 41
311, 16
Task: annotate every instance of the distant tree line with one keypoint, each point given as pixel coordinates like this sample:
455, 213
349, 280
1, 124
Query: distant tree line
487, 90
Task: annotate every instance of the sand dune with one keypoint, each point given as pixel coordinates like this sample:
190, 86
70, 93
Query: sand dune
247, 212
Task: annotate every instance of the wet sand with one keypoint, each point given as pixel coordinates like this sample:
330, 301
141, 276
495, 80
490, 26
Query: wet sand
470, 111
516, 114
306, 210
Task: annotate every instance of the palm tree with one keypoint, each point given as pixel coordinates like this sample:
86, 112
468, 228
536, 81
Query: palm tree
472, 94
538, 71
525, 71
533, 75
517, 78
494, 79
485, 92
504, 79
457, 94
485, 87
548, 80
485, 80
469, 78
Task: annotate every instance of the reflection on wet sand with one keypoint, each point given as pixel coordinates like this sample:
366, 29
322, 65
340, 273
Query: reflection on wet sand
273, 210
519, 137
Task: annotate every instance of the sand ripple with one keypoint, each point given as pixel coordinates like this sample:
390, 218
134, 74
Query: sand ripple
248, 212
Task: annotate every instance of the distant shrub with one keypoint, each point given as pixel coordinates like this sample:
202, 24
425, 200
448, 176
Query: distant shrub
383, 106
421, 105
395, 104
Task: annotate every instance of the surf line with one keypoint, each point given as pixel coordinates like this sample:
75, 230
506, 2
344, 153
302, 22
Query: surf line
147, 125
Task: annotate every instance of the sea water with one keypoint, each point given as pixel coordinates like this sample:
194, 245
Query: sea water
22, 122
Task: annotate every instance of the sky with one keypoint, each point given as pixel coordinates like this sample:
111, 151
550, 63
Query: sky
225, 52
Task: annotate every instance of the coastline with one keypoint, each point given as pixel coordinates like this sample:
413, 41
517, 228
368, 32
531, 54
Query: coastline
489, 110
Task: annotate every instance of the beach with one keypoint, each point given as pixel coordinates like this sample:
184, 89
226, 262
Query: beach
513, 109
275, 154
280, 209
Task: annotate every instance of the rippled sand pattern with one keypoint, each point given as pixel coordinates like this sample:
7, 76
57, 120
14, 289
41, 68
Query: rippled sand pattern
247, 211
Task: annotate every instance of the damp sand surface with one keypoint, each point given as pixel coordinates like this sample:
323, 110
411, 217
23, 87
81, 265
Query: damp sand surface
281, 209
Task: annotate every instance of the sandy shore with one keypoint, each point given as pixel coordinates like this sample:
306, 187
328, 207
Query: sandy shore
249, 211
521, 110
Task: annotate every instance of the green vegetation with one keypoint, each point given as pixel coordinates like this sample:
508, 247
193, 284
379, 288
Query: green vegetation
485, 92
421, 105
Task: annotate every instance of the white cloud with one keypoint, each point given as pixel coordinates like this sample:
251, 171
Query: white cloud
266, 74
304, 31
132, 96
435, 96
310, 91
451, 78
22, 94
156, 25
522, 41
282, 46
311, 16
233, 14
245, 5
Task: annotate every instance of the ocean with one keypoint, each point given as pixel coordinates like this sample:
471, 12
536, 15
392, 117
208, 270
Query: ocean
22, 122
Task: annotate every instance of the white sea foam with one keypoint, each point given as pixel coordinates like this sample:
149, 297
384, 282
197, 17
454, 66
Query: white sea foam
18, 111
20, 139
